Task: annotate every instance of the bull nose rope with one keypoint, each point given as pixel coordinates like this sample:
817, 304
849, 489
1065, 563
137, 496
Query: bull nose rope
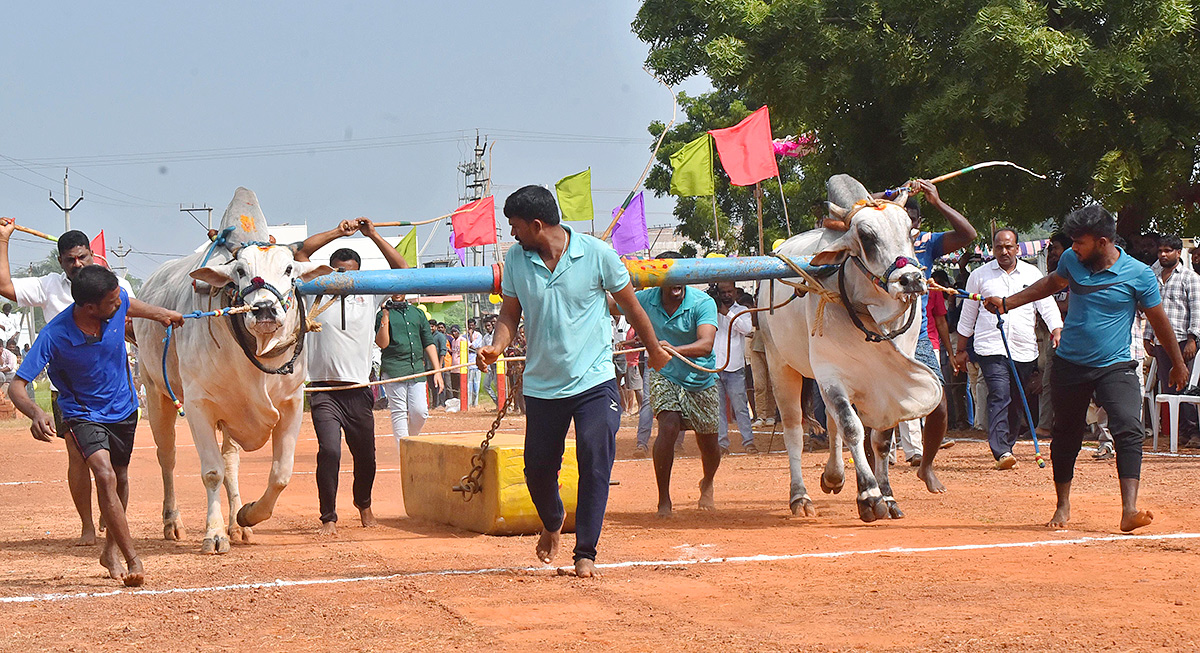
232, 310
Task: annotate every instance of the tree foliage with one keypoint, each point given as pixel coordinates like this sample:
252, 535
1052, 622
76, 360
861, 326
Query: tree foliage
1102, 96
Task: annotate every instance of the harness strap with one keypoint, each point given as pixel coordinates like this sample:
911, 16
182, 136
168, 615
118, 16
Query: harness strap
872, 336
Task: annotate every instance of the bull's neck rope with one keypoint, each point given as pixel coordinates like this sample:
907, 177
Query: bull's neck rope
245, 341
873, 336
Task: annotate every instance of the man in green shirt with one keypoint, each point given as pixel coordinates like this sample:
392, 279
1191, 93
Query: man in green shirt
442, 345
402, 332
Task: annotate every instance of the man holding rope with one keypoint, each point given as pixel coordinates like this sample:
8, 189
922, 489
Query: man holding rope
559, 278
52, 293
1107, 287
340, 355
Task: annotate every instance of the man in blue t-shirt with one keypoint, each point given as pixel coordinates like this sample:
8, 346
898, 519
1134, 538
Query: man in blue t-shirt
1108, 286
559, 279
682, 397
84, 346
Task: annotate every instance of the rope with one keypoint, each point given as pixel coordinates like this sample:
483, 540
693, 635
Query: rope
232, 310
810, 284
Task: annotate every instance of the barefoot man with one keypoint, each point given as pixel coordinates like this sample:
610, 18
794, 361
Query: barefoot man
558, 278
1107, 287
84, 347
682, 397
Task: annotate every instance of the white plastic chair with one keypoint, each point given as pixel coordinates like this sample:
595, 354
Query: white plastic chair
1172, 401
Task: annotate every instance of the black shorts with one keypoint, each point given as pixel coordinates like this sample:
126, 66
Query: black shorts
60, 429
115, 438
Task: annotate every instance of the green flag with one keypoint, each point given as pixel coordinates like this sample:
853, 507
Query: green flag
575, 196
408, 247
693, 168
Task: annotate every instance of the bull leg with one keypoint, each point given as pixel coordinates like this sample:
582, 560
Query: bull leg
788, 386
870, 500
161, 413
834, 476
212, 472
881, 447
229, 452
283, 452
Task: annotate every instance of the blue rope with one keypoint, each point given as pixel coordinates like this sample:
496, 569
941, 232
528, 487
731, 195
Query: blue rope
219, 241
167, 346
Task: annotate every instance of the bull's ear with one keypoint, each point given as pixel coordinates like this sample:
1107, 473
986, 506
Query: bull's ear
307, 270
834, 253
215, 275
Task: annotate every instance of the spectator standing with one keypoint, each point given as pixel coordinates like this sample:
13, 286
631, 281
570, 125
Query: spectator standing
474, 374
340, 355
1058, 244
10, 325
442, 345
489, 381
1179, 286
730, 349
1004, 276
403, 335
455, 390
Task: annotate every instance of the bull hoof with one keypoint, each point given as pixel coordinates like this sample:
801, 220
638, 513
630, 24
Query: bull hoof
803, 507
172, 526
871, 508
240, 534
215, 545
242, 519
894, 511
830, 485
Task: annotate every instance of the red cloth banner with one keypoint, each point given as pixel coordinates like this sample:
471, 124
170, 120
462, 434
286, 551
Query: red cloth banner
475, 223
746, 149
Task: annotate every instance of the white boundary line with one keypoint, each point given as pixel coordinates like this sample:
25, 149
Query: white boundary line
45, 598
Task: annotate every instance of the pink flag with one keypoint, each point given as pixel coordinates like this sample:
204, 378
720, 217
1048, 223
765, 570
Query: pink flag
461, 251
630, 233
746, 149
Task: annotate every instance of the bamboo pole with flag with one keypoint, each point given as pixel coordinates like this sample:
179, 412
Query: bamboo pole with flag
748, 156
630, 234
575, 196
693, 175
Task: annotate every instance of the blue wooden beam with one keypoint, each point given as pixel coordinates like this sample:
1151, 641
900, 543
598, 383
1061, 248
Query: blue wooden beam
466, 280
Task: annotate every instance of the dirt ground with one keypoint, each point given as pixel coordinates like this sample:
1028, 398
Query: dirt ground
933, 581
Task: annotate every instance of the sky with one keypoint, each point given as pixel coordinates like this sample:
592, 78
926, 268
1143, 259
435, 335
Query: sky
327, 110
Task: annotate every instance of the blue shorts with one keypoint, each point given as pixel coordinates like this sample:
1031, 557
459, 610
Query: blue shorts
927, 355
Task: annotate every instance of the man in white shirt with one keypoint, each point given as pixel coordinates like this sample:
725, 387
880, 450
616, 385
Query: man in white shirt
474, 374
10, 324
731, 381
53, 294
1002, 277
340, 355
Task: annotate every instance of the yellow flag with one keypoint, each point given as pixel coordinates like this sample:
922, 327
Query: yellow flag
692, 168
575, 196
408, 247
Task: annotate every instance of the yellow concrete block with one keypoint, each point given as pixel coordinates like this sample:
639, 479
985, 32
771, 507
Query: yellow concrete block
431, 465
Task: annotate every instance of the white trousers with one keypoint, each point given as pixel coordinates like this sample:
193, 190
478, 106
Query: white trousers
409, 405
910, 437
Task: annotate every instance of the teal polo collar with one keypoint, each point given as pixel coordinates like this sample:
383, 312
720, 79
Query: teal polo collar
575, 249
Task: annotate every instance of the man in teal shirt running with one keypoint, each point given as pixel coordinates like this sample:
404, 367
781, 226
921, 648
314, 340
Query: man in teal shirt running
560, 279
681, 396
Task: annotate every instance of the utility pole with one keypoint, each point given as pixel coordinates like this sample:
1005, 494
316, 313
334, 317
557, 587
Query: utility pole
189, 210
476, 182
120, 252
66, 200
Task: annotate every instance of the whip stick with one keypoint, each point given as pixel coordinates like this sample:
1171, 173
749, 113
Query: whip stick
405, 223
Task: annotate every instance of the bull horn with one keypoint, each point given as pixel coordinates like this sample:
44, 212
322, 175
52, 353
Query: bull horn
836, 212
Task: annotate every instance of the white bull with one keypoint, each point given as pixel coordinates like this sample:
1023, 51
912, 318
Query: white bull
872, 384
212, 373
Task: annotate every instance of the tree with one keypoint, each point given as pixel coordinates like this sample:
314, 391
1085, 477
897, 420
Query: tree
735, 205
1102, 97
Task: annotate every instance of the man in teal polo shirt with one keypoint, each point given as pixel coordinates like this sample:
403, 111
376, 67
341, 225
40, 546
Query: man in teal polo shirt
1107, 287
681, 396
559, 279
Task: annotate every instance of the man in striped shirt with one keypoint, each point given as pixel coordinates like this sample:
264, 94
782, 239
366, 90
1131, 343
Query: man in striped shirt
1179, 286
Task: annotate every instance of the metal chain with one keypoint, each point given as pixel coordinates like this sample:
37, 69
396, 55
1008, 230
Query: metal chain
471, 484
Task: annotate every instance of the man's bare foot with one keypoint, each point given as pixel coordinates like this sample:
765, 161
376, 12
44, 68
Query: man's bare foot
86, 538
112, 562
925, 473
664, 510
585, 568
547, 546
136, 575
368, 518
1061, 516
1134, 520
328, 528
706, 496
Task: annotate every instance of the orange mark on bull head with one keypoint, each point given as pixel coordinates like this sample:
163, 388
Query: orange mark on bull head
247, 223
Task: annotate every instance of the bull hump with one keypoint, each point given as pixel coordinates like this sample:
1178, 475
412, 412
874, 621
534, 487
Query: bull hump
246, 217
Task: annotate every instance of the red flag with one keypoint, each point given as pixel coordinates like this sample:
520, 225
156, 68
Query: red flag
475, 223
98, 251
746, 150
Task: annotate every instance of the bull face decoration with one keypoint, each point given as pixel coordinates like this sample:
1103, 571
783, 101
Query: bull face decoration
879, 243
264, 277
